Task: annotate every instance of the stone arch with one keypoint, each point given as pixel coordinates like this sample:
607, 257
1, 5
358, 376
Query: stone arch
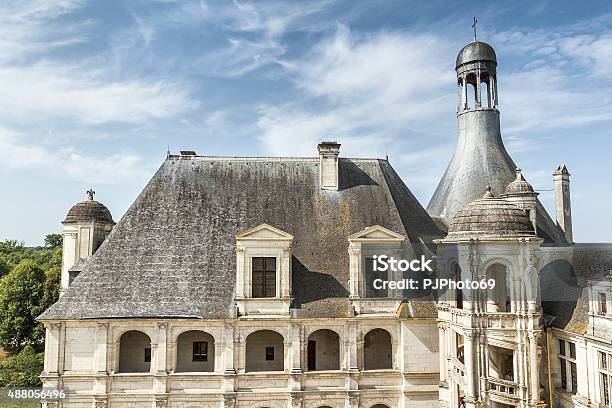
195, 351
265, 351
485, 89
377, 350
470, 90
323, 350
379, 406
135, 352
499, 298
560, 290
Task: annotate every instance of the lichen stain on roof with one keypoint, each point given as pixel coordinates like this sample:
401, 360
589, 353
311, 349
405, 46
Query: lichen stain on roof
173, 253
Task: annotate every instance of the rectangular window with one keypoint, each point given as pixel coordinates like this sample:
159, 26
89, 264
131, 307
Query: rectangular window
147, 355
605, 378
264, 277
370, 276
603, 306
200, 351
567, 363
269, 353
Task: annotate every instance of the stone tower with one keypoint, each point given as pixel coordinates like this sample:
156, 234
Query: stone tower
489, 337
480, 159
562, 201
86, 226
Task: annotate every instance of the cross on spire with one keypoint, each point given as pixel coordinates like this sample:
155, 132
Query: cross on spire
91, 193
474, 27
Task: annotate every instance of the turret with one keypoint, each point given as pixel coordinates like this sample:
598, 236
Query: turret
521, 194
86, 226
562, 201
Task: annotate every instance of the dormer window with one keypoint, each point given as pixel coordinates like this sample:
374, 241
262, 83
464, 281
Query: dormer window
264, 276
369, 289
263, 271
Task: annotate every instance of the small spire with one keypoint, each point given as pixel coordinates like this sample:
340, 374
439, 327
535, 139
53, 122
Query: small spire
168, 152
474, 27
90, 194
488, 193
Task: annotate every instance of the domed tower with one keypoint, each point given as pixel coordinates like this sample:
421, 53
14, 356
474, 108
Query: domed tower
86, 226
480, 159
490, 332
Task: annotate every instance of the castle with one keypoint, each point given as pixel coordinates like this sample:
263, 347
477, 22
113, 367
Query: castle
246, 282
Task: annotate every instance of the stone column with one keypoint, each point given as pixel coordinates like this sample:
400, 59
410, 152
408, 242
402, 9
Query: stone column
352, 346
471, 369
286, 273
442, 348
465, 94
478, 98
219, 355
294, 340
240, 272
160, 370
100, 353
161, 349
53, 345
534, 368
100, 358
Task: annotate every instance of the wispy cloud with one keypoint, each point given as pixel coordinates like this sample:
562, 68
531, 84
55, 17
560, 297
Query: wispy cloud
363, 88
42, 92
68, 162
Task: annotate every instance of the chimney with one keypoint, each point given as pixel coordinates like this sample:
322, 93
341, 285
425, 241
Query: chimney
563, 206
328, 165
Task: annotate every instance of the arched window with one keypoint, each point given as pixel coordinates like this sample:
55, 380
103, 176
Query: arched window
195, 352
498, 298
377, 350
471, 100
461, 104
485, 90
323, 350
265, 351
135, 352
379, 406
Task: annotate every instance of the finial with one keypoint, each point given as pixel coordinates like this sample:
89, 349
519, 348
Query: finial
474, 27
90, 194
488, 193
519, 174
168, 152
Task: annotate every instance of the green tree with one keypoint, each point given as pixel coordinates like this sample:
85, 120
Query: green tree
23, 369
53, 240
4, 269
21, 301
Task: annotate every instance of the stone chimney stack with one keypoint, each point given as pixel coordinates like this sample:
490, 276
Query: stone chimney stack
328, 165
562, 201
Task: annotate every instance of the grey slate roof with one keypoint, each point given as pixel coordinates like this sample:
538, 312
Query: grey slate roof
481, 160
173, 253
565, 285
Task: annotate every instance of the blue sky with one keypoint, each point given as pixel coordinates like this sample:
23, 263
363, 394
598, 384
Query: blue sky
93, 93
